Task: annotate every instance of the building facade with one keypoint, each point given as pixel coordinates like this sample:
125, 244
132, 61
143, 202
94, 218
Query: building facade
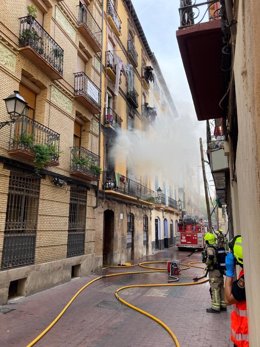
67, 205
227, 62
135, 215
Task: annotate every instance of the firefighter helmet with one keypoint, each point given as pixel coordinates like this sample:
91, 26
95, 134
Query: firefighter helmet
238, 250
210, 238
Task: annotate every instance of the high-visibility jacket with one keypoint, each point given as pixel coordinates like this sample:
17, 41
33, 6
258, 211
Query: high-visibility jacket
239, 323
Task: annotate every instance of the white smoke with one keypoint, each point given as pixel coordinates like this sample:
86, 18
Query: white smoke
168, 148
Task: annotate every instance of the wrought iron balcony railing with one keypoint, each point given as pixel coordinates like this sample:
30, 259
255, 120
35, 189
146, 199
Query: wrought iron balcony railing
147, 73
28, 138
32, 34
92, 28
172, 203
149, 112
112, 118
127, 186
110, 60
122, 184
84, 163
111, 11
83, 86
192, 12
132, 97
132, 52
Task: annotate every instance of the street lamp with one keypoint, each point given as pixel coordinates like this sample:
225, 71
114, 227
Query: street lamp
15, 105
180, 204
159, 195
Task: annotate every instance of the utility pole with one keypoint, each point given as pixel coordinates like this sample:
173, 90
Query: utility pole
205, 186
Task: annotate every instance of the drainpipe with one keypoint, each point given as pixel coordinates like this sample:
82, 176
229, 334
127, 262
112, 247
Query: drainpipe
205, 186
99, 128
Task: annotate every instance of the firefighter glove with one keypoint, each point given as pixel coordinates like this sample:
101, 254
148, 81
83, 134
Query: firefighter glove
230, 265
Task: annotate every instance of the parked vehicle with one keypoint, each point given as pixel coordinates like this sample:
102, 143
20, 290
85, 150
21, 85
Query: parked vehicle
190, 233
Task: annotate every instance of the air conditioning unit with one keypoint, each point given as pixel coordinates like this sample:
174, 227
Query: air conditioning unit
218, 160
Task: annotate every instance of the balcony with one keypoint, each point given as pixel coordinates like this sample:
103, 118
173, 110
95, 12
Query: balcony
40, 48
132, 98
33, 142
133, 55
113, 18
110, 65
147, 76
148, 112
218, 160
201, 46
117, 184
87, 92
172, 203
84, 164
112, 119
89, 28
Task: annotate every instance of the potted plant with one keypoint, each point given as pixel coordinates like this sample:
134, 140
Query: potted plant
95, 169
29, 37
24, 141
44, 154
57, 52
31, 13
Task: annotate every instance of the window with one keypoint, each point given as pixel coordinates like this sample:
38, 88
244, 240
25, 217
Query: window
145, 230
130, 230
21, 220
96, 68
77, 221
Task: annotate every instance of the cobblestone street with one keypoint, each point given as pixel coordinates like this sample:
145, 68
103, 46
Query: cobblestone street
97, 319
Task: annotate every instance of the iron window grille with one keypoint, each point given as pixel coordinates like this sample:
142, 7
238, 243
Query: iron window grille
21, 220
145, 230
130, 230
77, 221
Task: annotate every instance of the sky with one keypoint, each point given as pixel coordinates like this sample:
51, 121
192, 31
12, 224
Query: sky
160, 20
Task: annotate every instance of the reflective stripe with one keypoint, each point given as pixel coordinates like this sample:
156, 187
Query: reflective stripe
239, 337
241, 313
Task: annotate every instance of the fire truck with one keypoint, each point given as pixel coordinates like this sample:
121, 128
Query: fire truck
190, 233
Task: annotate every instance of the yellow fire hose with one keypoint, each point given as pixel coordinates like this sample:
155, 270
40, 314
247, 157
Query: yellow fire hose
144, 265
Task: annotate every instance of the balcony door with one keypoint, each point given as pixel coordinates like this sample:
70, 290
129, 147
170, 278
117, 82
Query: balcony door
30, 97
77, 134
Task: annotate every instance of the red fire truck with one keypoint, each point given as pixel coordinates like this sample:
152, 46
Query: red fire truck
190, 233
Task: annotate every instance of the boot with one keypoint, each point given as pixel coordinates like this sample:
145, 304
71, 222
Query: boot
211, 310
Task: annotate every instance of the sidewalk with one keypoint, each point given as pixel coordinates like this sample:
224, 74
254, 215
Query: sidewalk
97, 319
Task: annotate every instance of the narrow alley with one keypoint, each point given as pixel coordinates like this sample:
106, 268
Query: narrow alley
97, 319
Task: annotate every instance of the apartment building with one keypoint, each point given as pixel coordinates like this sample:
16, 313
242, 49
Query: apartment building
68, 206
50, 51
220, 54
136, 217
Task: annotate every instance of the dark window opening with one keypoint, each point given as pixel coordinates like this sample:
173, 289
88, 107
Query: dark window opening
16, 288
75, 270
77, 221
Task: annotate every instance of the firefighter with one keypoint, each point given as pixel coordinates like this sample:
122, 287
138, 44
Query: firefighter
216, 278
235, 294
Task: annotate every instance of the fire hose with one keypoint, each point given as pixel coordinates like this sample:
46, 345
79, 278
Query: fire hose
147, 314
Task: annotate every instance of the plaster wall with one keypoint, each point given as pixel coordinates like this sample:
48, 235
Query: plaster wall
247, 77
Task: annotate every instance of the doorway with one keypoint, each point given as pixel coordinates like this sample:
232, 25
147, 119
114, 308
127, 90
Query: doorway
166, 238
157, 233
108, 237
